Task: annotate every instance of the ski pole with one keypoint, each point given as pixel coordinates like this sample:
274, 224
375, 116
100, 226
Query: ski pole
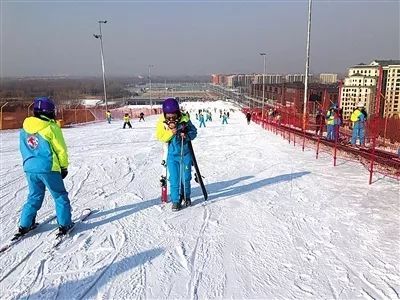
181, 172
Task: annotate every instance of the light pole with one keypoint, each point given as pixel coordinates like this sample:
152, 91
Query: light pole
263, 92
100, 36
151, 101
307, 65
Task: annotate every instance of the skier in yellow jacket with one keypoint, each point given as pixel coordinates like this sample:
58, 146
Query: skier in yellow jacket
45, 162
176, 129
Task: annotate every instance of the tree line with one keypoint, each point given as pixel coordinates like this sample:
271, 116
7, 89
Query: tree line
61, 89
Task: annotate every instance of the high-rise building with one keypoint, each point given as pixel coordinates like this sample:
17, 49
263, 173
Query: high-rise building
231, 81
361, 86
391, 105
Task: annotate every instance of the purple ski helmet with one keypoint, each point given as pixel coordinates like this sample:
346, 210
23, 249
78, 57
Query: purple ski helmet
170, 106
43, 105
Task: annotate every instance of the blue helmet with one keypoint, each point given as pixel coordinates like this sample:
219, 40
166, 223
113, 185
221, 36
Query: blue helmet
43, 105
170, 106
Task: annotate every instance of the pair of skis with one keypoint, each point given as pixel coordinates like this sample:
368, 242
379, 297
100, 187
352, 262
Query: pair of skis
198, 177
59, 238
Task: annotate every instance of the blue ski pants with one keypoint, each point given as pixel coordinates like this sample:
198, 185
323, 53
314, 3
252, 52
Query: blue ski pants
175, 167
358, 133
37, 183
330, 132
202, 124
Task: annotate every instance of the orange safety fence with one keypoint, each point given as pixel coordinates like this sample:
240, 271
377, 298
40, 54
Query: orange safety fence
12, 115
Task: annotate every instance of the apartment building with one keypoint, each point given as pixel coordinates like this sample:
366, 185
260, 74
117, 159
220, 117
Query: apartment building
327, 78
361, 86
289, 78
391, 105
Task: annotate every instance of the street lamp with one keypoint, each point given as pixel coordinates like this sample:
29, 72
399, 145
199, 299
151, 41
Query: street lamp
307, 65
151, 101
263, 92
100, 36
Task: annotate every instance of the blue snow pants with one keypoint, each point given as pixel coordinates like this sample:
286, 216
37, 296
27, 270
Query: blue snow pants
358, 132
330, 131
37, 183
174, 169
202, 124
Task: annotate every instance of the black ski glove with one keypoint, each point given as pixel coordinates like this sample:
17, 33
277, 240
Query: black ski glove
64, 173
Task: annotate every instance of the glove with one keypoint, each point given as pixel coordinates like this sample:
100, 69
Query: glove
182, 129
64, 173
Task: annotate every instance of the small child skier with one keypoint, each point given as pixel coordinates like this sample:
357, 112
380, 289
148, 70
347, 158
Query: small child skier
45, 162
176, 129
108, 116
127, 121
141, 117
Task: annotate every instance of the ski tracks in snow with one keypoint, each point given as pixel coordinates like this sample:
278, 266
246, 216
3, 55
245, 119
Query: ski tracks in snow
191, 248
318, 253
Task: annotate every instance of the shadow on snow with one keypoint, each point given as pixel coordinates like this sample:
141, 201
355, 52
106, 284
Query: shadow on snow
227, 189
217, 191
88, 287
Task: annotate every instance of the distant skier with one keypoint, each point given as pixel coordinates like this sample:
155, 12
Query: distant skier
127, 121
358, 117
201, 120
177, 130
45, 162
330, 123
108, 116
141, 117
248, 117
209, 116
224, 118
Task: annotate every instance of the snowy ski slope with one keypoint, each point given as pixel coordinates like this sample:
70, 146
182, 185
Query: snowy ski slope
278, 223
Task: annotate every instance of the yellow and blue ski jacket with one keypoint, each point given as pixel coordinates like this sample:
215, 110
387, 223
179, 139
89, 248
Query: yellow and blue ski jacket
357, 116
42, 146
164, 134
330, 118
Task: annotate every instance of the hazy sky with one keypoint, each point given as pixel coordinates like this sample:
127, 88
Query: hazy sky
194, 37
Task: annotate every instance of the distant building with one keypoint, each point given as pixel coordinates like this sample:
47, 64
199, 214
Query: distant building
215, 79
289, 78
269, 78
327, 78
391, 105
361, 86
292, 95
231, 81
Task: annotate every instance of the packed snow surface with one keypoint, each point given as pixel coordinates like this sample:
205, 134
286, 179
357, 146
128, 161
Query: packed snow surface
278, 223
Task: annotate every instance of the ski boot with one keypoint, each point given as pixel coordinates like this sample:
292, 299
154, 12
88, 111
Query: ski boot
63, 230
176, 206
24, 230
188, 202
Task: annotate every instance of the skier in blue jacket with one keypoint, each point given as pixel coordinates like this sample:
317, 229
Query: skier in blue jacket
201, 119
176, 129
45, 162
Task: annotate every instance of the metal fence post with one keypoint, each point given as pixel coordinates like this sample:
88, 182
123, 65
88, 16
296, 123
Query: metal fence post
1, 115
28, 109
